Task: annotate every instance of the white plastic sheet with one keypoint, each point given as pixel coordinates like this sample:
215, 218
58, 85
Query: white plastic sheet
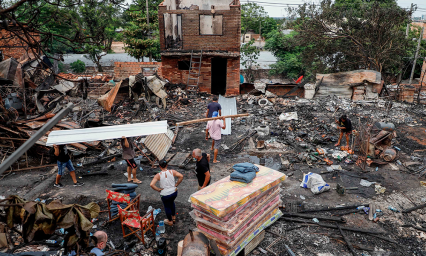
105, 133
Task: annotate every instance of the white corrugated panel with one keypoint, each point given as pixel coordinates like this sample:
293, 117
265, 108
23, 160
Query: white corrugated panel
159, 144
229, 107
105, 133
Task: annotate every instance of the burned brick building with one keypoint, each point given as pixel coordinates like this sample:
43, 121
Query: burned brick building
201, 32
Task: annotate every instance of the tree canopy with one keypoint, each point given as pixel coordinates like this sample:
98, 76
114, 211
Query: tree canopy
335, 37
141, 39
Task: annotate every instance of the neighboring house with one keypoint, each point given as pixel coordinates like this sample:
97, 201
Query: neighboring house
210, 26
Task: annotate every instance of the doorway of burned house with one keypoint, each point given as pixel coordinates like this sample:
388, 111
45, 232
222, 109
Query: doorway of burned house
219, 66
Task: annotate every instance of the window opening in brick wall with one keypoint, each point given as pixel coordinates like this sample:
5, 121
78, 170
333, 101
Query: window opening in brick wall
183, 64
211, 24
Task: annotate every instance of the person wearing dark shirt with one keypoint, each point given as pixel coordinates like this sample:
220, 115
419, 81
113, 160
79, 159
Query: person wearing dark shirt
64, 161
202, 168
212, 107
345, 127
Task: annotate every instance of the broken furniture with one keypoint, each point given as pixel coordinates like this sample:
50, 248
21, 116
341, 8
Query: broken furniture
233, 213
133, 221
114, 199
148, 86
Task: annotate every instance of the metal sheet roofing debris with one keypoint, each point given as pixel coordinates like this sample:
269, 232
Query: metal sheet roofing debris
105, 133
159, 144
229, 107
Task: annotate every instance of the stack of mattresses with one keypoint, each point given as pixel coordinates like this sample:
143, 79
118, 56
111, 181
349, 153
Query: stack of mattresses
233, 213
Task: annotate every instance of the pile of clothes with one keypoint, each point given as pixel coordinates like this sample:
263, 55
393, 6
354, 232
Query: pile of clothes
124, 188
244, 172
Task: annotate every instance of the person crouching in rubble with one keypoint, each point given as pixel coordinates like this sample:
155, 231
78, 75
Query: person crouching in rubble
214, 129
101, 239
129, 155
168, 190
345, 127
63, 160
202, 168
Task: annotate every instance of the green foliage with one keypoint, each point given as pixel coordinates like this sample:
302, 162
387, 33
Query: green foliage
252, 15
268, 25
78, 66
370, 36
249, 55
288, 54
67, 25
61, 67
141, 39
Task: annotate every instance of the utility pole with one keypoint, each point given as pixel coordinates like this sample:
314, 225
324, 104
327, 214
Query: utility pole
147, 22
416, 55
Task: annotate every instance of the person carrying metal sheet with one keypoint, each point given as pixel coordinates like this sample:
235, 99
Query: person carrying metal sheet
63, 160
129, 155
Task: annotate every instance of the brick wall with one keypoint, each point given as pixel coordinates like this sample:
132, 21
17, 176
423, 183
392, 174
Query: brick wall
123, 70
12, 46
171, 72
192, 40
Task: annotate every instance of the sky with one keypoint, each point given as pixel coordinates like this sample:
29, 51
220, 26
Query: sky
276, 8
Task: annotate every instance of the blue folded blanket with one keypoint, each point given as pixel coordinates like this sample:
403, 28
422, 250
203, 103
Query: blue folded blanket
245, 167
125, 185
243, 177
123, 191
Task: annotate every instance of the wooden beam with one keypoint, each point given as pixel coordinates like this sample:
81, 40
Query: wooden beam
209, 119
7, 138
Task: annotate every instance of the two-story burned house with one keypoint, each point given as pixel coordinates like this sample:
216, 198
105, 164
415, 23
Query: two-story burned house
200, 44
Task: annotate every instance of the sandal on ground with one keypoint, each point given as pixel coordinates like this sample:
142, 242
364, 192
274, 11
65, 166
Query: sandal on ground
168, 222
137, 181
174, 220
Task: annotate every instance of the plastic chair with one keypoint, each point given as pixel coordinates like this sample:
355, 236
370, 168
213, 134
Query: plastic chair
135, 223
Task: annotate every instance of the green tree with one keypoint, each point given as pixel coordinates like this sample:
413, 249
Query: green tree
252, 15
98, 21
368, 37
78, 66
249, 55
285, 48
269, 25
141, 39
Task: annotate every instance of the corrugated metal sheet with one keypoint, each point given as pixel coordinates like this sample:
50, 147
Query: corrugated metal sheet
159, 144
229, 107
106, 132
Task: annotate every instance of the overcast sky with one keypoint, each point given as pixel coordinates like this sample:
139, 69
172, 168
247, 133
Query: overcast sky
276, 8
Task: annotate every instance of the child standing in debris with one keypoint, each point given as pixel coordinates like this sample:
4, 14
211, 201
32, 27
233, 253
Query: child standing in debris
345, 127
63, 160
168, 190
129, 155
214, 129
212, 107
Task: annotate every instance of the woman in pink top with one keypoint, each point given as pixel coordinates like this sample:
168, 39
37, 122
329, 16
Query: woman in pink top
215, 127
168, 190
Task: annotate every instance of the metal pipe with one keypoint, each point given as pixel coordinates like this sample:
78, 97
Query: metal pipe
33, 139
